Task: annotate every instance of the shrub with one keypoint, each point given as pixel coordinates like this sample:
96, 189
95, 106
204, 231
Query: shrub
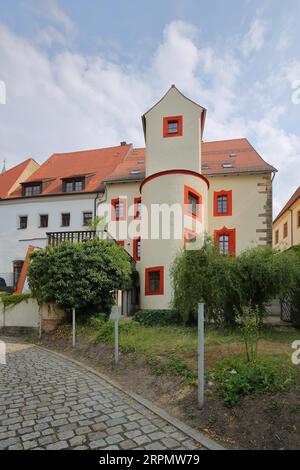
83, 276
237, 378
157, 317
13, 299
107, 330
171, 364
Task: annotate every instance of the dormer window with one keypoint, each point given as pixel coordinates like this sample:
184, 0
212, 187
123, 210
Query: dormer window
172, 126
32, 189
73, 185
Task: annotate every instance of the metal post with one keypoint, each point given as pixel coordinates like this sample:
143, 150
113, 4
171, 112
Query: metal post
41, 320
116, 342
201, 355
73, 328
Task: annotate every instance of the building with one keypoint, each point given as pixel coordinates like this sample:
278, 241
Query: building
222, 188
286, 226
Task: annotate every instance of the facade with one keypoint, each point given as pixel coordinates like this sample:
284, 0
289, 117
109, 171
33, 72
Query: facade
155, 200
286, 226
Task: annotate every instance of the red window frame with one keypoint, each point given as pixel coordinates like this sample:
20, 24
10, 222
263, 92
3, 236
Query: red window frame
229, 203
137, 201
114, 203
188, 190
160, 291
285, 230
136, 241
187, 233
121, 243
232, 239
166, 121
277, 236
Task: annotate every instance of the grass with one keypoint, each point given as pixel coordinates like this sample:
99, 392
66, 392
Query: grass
173, 349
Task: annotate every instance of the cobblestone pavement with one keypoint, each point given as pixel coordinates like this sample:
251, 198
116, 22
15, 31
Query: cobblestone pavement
47, 402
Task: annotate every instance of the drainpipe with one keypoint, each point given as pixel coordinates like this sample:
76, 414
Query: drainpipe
292, 228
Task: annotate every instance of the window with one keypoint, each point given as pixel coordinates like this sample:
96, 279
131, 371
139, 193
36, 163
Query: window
137, 249
192, 202
23, 220
172, 126
277, 236
118, 209
285, 230
87, 218
73, 185
17, 269
65, 219
44, 220
154, 281
137, 207
32, 189
298, 219
225, 241
222, 203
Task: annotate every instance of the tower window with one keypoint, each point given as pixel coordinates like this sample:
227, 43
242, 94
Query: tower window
137, 249
154, 281
192, 202
172, 126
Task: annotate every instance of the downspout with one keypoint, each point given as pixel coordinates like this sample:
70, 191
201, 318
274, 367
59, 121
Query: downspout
292, 228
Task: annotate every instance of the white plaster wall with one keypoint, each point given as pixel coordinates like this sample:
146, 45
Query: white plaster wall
25, 314
14, 242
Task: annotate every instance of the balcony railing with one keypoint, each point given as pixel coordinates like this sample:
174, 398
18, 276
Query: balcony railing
55, 238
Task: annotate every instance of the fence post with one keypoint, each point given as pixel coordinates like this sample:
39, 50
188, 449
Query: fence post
201, 380
73, 328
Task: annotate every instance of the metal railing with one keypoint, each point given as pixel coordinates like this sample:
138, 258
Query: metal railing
56, 238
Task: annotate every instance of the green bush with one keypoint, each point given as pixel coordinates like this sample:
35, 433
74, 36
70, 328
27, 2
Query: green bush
80, 275
170, 364
10, 300
237, 378
157, 317
107, 330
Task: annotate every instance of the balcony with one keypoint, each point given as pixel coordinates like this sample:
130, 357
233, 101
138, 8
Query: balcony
55, 238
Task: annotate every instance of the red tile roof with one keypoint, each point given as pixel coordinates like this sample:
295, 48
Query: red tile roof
11, 176
94, 164
289, 204
237, 153
123, 163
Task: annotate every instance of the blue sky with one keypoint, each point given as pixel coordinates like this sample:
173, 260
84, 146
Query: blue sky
79, 74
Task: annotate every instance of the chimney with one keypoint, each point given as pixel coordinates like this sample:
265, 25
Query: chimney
123, 143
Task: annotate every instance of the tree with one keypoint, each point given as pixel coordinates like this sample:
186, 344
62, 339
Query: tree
227, 284
81, 276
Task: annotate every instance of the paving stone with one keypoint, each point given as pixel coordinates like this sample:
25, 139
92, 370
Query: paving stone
49, 403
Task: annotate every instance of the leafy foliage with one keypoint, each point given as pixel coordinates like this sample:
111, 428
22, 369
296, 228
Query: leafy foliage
227, 284
236, 378
14, 299
82, 275
157, 317
251, 331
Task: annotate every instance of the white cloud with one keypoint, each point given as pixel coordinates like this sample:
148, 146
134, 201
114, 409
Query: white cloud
254, 39
70, 101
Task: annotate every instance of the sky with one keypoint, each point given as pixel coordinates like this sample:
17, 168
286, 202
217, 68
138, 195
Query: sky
79, 74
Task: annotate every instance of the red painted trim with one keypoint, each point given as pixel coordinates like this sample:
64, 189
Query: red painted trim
229, 203
114, 202
174, 172
188, 232
137, 201
135, 248
232, 238
187, 191
121, 243
166, 121
24, 270
147, 281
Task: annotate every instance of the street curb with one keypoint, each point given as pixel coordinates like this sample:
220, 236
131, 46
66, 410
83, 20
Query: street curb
185, 428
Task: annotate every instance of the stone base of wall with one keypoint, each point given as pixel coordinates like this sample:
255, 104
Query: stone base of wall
18, 331
52, 316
